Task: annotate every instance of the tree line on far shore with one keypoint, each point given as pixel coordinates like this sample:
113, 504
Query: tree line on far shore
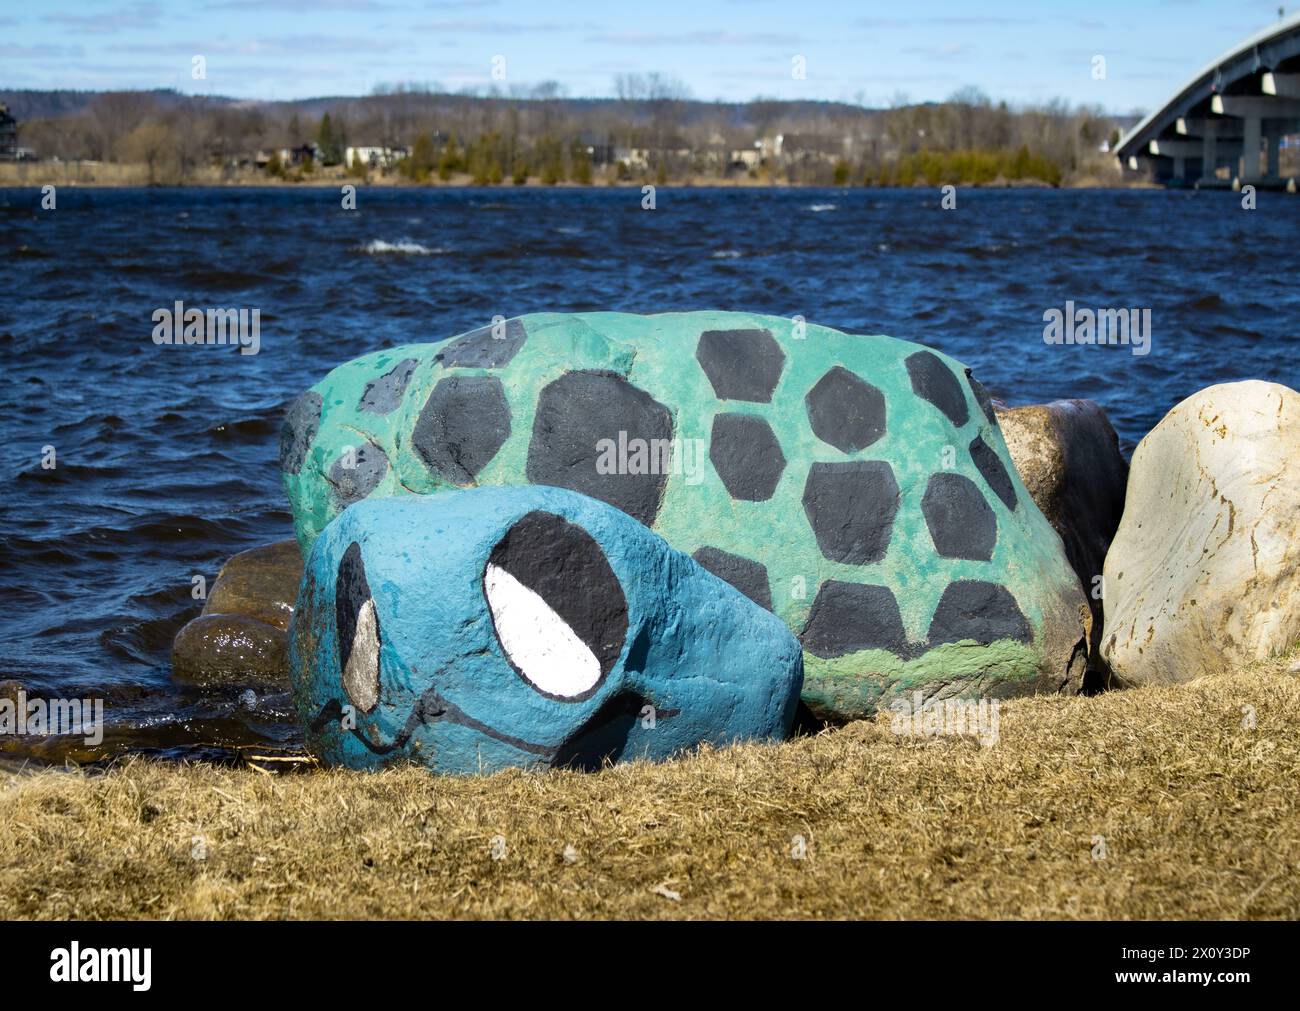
651, 132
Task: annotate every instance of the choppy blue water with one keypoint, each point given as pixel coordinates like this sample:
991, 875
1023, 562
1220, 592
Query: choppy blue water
166, 455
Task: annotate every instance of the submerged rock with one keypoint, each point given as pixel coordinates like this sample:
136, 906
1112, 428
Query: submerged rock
240, 635
1204, 571
230, 649
259, 583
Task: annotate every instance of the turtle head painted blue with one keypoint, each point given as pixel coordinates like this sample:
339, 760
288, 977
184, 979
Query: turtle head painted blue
495, 627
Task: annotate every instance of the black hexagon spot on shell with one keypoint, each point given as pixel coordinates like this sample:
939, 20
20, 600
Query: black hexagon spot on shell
745, 453
583, 417
984, 612
382, 395
991, 468
961, 522
982, 397
301, 423
741, 364
851, 508
845, 411
488, 347
462, 426
745, 574
355, 475
848, 617
932, 380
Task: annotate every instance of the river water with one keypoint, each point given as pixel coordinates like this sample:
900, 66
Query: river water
165, 456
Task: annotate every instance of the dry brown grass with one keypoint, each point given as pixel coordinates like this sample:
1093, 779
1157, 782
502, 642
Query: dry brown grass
1200, 814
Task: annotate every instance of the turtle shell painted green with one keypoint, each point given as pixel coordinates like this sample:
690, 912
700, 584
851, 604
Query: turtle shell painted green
857, 486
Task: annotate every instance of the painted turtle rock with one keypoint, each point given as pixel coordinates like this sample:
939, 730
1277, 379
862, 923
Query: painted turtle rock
525, 626
857, 486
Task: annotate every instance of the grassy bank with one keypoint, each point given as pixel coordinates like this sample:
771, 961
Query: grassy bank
1199, 813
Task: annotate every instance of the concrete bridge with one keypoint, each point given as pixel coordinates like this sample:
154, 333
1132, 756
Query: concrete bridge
1232, 115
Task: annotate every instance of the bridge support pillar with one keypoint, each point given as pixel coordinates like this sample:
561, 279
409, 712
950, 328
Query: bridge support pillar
1250, 148
1274, 150
1209, 151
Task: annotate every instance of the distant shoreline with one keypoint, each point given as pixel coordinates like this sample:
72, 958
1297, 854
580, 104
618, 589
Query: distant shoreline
106, 175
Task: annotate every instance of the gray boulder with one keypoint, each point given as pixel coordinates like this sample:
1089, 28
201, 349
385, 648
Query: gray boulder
1068, 456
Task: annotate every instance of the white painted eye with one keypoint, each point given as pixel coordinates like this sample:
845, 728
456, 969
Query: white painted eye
557, 607
361, 673
539, 643
358, 631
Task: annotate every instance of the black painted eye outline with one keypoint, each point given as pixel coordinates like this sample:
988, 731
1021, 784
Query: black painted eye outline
557, 609
357, 624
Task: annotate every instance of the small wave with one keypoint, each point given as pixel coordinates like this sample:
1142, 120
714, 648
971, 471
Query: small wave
1228, 330
726, 254
249, 429
818, 208
404, 247
225, 280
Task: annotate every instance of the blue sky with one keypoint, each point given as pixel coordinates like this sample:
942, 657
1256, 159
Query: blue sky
728, 49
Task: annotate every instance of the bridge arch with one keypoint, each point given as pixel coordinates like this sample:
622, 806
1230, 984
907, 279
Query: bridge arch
1233, 114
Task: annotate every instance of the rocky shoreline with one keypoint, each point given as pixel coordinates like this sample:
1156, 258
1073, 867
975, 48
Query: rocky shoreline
1189, 560
1067, 454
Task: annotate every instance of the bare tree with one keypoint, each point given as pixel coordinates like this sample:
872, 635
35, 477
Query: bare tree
153, 144
113, 115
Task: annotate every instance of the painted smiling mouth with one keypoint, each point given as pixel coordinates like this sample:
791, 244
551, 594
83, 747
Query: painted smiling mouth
602, 737
605, 734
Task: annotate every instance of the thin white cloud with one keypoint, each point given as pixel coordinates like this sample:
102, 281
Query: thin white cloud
307, 44
953, 21
300, 6
108, 22
715, 37
945, 51
13, 51
493, 27
277, 45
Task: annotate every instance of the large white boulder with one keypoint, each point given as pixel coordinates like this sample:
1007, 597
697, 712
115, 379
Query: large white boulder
1204, 571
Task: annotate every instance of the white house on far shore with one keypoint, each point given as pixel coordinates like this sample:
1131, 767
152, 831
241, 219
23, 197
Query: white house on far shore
375, 157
